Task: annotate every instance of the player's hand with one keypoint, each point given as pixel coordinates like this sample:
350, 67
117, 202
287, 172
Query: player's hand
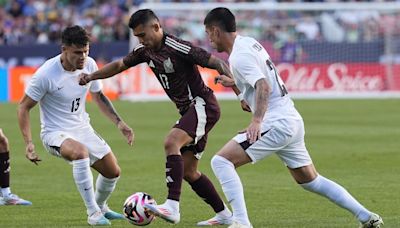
126, 131
253, 131
245, 106
31, 154
84, 79
224, 80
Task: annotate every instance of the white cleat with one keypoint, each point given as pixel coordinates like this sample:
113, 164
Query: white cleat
238, 225
375, 221
12, 199
217, 220
98, 219
163, 211
110, 214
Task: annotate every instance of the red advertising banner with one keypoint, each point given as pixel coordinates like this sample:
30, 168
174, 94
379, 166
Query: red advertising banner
139, 83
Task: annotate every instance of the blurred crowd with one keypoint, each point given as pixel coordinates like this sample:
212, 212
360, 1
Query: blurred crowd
32, 21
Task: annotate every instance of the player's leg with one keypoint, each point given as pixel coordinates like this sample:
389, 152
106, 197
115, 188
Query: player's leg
78, 154
204, 188
63, 145
224, 165
7, 198
109, 173
169, 210
297, 159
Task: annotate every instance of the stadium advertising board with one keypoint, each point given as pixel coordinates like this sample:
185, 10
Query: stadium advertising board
139, 83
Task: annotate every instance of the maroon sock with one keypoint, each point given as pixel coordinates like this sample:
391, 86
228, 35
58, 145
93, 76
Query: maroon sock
5, 170
174, 176
205, 189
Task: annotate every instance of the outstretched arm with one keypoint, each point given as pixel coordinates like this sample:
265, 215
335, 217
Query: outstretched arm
226, 78
108, 109
24, 107
107, 71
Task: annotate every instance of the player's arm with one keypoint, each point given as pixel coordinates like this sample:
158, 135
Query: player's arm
108, 110
261, 102
107, 71
24, 107
226, 78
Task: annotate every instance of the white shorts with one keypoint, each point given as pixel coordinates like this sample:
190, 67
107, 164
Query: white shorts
96, 146
284, 137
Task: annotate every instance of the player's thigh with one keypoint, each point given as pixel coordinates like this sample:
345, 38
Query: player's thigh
200, 118
96, 145
233, 152
108, 166
64, 144
176, 139
295, 153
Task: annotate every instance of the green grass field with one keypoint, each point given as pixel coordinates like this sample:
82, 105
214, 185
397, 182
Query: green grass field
354, 142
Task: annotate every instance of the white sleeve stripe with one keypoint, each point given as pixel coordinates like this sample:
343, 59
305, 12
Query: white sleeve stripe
179, 44
176, 48
138, 46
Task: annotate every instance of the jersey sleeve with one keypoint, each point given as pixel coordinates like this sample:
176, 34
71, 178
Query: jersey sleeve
247, 66
199, 56
38, 87
136, 57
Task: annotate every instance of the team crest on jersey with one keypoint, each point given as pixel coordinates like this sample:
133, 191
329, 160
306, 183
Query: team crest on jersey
151, 64
168, 66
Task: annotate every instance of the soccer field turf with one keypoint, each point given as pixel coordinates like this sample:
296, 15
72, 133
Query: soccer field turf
353, 142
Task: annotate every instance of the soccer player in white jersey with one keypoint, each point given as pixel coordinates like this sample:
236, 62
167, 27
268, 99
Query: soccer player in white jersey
65, 128
275, 128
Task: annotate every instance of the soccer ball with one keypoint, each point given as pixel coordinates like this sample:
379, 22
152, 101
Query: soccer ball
134, 211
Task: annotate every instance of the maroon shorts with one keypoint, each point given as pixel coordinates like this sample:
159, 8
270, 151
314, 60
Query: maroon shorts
198, 120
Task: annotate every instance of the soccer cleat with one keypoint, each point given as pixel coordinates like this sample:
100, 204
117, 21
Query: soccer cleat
110, 214
12, 199
98, 219
216, 220
375, 221
164, 212
238, 225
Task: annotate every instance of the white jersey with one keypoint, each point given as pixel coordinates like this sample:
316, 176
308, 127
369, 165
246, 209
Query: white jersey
61, 98
249, 62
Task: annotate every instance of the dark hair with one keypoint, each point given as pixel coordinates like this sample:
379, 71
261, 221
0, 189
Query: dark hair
221, 17
141, 17
75, 35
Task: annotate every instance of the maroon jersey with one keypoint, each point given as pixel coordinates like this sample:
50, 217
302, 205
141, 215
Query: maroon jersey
175, 66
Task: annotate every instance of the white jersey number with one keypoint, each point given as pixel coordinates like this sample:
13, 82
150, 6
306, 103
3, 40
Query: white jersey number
281, 85
164, 81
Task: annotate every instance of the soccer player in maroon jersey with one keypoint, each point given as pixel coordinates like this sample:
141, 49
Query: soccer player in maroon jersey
174, 63
6, 197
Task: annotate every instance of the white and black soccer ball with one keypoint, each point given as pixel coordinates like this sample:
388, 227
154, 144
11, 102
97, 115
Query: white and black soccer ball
134, 211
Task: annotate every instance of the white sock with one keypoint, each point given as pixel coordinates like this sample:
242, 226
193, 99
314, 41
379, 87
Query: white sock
104, 188
84, 181
173, 204
337, 194
225, 171
5, 191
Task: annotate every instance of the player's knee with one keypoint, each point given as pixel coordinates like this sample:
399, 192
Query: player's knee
191, 175
79, 152
170, 146
3, 143
115, 173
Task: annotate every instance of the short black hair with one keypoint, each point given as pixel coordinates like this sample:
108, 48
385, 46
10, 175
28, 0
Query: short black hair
75, 35
141, 17
221, 17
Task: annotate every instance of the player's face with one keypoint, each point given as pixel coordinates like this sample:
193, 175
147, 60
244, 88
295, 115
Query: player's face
75, 56
213, 37
148, 34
